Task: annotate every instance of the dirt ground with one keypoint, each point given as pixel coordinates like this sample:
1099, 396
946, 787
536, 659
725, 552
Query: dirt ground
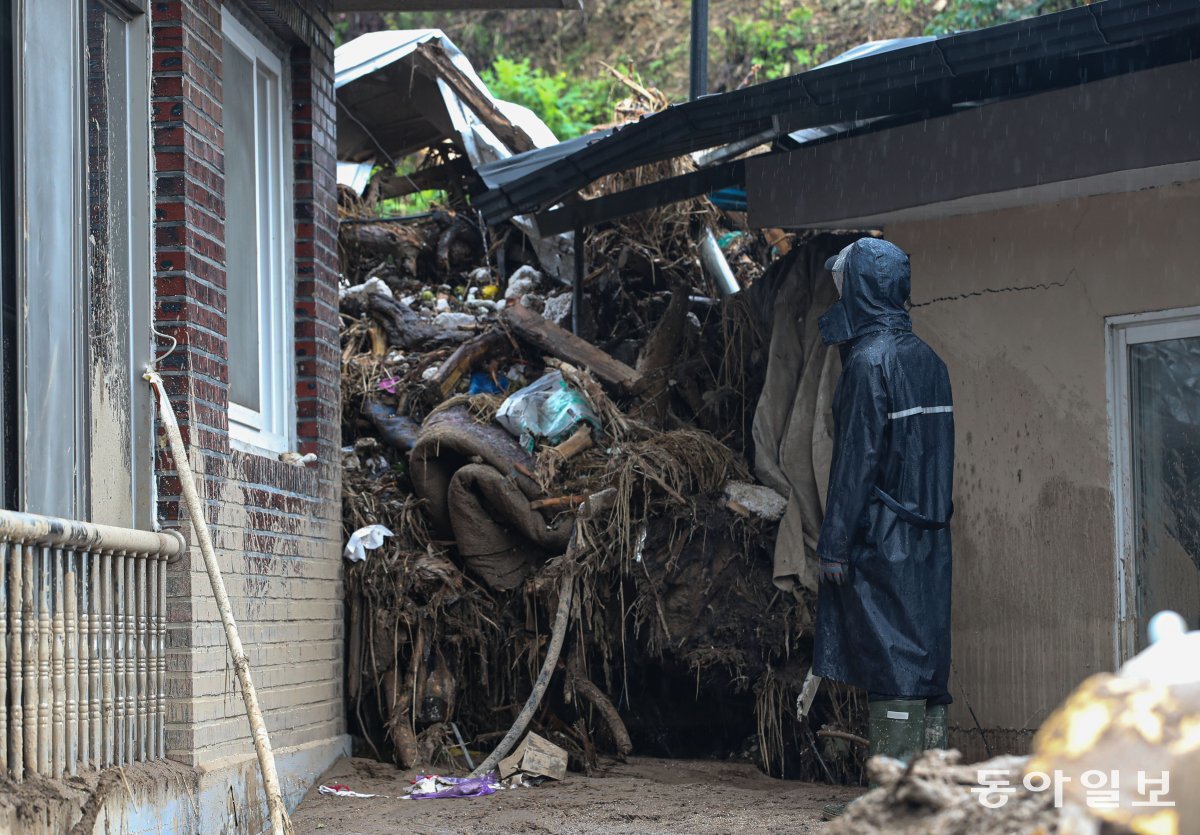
643, 795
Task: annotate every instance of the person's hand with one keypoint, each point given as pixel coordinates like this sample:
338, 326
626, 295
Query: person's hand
833, 572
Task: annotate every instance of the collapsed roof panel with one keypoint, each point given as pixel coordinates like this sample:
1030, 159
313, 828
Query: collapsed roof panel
402, 91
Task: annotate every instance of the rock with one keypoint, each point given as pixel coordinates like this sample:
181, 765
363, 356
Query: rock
453, 321
368, 287
523, 281
532, 301
558, 309
759, 500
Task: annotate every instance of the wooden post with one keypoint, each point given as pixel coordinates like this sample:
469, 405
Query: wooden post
85, 659
44, 734
58, 671
108, 685
143, 677
71, 610
152, 658
29, 614
95, 687
16, 762
119, 658
160, 685
5, 555
280, 824
131, 694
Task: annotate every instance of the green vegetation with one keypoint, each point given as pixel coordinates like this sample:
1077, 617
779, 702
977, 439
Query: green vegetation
569, 106
778, 41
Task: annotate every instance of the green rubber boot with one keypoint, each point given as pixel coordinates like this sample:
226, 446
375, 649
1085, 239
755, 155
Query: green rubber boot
898, 730
937, 732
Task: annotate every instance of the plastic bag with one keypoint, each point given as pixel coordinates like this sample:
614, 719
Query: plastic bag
434, 787
363, 540
548, 409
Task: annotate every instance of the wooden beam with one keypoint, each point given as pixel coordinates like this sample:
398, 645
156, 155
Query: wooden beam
640, 199
432, 59
551, 339
389, 185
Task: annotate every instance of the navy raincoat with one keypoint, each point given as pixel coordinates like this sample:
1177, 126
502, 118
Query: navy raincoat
887, 629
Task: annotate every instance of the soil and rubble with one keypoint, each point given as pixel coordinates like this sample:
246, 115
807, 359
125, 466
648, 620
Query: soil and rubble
678, 644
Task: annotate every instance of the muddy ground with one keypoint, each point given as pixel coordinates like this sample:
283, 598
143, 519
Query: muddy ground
643, 795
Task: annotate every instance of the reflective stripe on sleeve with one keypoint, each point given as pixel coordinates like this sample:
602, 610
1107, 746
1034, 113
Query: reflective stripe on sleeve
920, 410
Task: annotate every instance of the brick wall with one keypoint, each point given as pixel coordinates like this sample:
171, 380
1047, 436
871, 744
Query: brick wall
276, 527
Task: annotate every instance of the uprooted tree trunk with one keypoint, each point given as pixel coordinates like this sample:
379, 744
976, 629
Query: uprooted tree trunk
659, 354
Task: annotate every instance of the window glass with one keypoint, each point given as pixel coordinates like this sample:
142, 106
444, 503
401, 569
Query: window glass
242, 230
257, 242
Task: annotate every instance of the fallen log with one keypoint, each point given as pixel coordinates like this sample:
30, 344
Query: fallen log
396, 430
460, 363
387, 185
660, 353
404, 328
553, 340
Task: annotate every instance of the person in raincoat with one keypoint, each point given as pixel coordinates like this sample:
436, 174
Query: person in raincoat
883, 605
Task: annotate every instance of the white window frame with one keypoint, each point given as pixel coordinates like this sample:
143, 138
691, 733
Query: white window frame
1120, 333
271, 428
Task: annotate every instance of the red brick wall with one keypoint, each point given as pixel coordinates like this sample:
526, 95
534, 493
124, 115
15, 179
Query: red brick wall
277, 527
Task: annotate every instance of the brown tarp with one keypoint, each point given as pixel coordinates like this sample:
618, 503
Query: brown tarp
470, 475
793, 427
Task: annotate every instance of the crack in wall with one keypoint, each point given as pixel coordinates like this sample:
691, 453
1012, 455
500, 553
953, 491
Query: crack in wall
986, 290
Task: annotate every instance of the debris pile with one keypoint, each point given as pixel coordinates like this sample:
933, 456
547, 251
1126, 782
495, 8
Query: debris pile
514, 446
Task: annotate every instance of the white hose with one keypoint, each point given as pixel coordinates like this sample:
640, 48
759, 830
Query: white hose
280, 824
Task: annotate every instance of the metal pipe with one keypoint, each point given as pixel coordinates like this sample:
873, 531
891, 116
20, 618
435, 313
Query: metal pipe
699, 50
715, 264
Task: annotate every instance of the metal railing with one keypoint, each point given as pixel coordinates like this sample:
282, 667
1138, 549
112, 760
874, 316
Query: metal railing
83, 619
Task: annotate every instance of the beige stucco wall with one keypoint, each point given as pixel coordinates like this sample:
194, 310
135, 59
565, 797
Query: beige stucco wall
1015, 302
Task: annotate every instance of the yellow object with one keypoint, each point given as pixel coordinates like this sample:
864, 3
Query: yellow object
489, 291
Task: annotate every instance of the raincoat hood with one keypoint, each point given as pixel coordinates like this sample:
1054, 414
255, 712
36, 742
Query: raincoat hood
876, 284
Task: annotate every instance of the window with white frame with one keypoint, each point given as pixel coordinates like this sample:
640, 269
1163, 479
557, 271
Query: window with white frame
258, 242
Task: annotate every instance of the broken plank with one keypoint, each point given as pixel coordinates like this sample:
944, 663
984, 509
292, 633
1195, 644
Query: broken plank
464, 358
551, 339
434, 61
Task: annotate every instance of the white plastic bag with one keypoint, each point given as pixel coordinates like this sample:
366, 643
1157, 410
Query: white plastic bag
547, 408
363, 540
